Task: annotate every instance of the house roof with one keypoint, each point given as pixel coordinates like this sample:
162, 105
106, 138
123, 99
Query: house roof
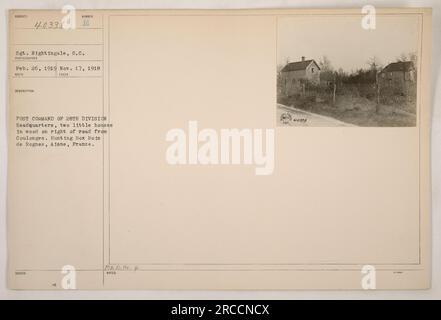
398, 66
299, 65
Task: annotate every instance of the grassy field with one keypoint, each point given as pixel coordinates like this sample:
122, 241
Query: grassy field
358, 111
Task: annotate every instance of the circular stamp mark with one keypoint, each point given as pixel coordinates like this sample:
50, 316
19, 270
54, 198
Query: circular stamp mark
286, 118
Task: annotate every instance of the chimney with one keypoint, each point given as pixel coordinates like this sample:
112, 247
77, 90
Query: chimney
303, 58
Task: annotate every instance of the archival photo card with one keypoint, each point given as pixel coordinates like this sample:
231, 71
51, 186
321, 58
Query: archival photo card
347, 71
145, 151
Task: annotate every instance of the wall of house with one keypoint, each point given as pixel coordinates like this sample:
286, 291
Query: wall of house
313, 73
291, 81
399, 81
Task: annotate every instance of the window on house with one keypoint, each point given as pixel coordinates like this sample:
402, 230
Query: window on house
312, 70
408, 76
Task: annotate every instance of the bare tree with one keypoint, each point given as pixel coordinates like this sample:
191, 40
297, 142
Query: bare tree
411, 56
325, 64
279, 68
374, 63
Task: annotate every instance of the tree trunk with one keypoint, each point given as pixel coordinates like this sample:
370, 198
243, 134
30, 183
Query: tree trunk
377, 86
333, 91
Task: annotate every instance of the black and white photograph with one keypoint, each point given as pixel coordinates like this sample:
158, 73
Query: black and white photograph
219, 158
336, 71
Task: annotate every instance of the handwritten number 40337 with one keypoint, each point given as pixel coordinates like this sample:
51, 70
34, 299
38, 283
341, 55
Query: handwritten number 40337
48, 25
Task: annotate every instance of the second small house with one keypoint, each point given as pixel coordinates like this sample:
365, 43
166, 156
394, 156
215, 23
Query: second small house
296, 75
398, 76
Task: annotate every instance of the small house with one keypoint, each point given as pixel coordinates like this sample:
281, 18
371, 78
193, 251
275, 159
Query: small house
295, 75
398, 75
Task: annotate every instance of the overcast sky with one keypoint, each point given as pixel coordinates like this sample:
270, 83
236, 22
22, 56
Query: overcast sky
344, 41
